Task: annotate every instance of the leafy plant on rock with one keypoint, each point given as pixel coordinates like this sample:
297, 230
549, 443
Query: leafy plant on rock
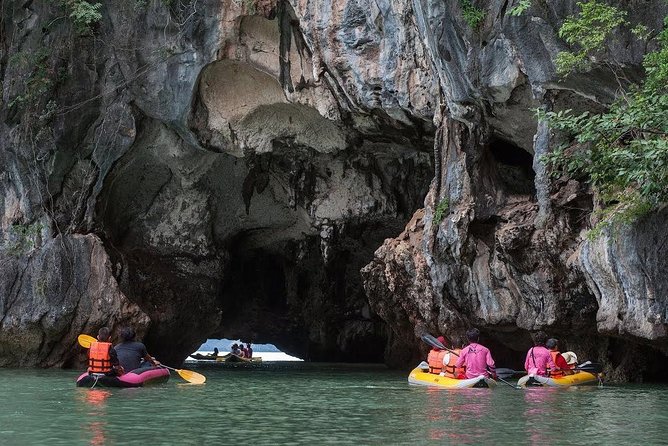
441, 211
472, 16
623, 151
83, 14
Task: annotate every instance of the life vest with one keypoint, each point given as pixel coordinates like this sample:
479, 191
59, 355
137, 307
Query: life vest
555, 373
99, 360
435, 360
450, 370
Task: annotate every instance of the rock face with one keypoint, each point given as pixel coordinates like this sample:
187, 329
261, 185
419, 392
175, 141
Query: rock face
226, 169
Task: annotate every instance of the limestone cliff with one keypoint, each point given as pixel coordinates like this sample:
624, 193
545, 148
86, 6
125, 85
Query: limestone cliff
225, 168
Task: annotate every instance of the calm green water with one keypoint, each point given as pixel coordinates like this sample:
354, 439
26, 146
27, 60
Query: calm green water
311, 404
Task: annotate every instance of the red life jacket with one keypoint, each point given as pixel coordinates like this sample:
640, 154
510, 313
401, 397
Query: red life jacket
435, 360
99, 360
450, 370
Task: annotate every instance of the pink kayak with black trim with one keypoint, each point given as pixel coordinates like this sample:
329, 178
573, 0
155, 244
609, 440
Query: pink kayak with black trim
135, 378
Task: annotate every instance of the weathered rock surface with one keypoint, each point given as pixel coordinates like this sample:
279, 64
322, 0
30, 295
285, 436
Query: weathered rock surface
239, 162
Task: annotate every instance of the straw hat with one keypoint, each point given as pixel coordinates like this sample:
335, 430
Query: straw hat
570, 357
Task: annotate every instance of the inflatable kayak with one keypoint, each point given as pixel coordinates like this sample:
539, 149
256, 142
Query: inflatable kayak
134, 378
576, 379
422, 377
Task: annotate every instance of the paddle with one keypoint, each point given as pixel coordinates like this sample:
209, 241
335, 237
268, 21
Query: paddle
190, 376
591, 367
85, 341
429, 339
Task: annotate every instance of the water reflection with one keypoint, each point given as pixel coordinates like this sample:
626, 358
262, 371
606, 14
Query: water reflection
95, 401
540, 403
458, 415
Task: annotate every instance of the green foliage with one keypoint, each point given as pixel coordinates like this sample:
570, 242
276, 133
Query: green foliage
83, 14
472, 15
520, 8
624, 151
23, 238
656, 63
588, 30
39, 81
441, 211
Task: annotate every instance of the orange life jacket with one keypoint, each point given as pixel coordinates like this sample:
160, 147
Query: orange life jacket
435, 360
555, 373
99, 360
450, 369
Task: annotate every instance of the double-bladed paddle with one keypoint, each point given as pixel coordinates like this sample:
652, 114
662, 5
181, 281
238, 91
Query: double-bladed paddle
429, 339
192, 377
591, 367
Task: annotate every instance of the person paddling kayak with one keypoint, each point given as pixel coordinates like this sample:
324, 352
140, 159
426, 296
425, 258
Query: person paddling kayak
131, 353
538, 358
477, 358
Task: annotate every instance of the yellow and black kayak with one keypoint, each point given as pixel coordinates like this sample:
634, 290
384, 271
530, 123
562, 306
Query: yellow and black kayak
422, 377
577, 379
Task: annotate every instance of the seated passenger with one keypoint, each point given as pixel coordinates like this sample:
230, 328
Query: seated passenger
475, 357
538, 358
237, 351
249, 350
436, 358
102, 357
132, 354
564, 369
214, 354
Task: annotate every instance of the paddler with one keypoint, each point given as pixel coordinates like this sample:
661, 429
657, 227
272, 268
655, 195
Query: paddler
476, 357
539, 358
102, 357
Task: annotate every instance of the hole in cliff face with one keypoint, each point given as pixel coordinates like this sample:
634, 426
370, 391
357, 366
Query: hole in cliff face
514, 167
305, 296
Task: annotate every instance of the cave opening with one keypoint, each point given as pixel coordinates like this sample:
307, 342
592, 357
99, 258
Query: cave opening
222, 348
514, 167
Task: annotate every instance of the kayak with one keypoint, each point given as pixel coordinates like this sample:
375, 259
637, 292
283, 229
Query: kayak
422, 377
135, 378
201, 357
231, 357
578, 378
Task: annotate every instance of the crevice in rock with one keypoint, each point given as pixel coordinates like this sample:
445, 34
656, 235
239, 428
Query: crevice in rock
514, 167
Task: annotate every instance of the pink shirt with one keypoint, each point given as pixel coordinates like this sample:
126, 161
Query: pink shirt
538, 360
476, 358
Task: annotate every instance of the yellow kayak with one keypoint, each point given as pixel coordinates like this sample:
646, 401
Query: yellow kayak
578, 378
422, 377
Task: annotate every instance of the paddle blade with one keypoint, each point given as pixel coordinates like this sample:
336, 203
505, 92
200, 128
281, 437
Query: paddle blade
190, 376
508, 373
85, 341
591, 367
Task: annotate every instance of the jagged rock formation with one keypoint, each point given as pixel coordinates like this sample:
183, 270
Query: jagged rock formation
233, 189
235, 164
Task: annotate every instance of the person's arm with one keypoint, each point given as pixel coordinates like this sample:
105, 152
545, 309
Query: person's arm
490, 362
526, 361
462, 358
149, 358
115, 364
113, 356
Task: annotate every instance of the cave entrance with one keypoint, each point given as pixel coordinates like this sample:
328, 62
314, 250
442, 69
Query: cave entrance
266, 352
514, 167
